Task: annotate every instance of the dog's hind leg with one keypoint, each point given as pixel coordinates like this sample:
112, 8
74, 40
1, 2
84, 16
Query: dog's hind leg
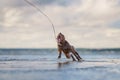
75, 53
73, 57
78, 55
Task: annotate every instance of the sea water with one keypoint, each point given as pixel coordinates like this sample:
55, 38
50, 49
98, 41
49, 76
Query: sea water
42, 64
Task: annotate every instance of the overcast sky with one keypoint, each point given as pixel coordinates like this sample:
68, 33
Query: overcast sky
85, 23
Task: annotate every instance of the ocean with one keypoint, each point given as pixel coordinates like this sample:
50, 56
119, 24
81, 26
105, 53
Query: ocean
42, 64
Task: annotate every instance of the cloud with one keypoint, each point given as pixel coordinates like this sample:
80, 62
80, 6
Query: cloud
85, 23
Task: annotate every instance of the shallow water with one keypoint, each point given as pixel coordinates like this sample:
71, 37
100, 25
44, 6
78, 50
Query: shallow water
42, 64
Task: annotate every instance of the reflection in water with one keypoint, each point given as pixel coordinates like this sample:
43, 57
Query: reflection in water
63, 64
67, 63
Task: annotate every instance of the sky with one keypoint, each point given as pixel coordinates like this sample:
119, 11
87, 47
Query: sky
85, 23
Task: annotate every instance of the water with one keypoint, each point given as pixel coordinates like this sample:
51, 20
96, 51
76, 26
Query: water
42, 64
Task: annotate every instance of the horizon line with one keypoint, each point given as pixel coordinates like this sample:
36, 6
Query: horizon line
56, 48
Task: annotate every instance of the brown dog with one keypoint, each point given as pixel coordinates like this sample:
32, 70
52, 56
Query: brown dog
66, 48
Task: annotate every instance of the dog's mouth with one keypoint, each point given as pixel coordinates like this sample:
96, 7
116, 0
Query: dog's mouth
59, 42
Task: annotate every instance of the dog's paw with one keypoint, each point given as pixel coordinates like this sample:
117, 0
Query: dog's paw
59, 57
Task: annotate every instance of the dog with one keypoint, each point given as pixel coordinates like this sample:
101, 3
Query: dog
66, 48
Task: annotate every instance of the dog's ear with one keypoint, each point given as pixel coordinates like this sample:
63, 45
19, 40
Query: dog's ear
60, 33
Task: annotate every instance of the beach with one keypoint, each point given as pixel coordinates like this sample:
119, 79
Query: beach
42, 64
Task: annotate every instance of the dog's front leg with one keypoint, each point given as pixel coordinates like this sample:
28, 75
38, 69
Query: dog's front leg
59, 55
60, 52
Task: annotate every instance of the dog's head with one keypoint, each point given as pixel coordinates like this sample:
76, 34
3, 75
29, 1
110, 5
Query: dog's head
60, 39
